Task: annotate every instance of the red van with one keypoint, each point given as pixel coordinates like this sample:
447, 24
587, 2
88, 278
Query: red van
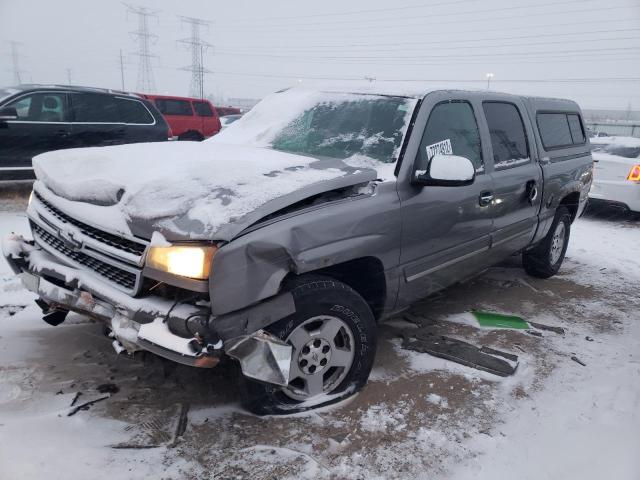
189, 118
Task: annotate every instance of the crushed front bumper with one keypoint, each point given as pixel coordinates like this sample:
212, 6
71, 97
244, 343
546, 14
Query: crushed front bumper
135, 323
143, 323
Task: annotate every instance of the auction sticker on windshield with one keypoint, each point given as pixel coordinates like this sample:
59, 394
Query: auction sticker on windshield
443, 148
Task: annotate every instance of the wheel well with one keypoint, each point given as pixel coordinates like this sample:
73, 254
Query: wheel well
366, 276
571, 203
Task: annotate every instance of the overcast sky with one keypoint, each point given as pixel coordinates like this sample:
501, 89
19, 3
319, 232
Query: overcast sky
587, 50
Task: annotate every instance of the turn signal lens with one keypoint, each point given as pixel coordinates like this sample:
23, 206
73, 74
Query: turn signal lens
634, 174
186, 261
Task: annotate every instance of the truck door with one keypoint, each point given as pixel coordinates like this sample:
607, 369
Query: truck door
517, 176
445, 229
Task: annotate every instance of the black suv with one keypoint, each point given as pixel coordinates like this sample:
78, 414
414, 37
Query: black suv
37, 118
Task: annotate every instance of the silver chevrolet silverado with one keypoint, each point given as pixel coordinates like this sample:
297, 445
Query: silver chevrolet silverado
283, 241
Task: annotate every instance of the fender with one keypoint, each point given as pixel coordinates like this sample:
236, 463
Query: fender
252, 267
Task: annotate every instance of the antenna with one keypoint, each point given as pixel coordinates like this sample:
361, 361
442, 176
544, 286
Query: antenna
144, 38
197, 47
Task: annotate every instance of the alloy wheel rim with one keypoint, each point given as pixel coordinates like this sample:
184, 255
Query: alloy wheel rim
323, 352
557, 243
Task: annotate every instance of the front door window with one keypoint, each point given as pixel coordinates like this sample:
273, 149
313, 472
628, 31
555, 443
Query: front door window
451, 129
40, 107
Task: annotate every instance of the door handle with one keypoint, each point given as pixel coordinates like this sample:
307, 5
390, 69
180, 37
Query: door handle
62, 133
485, 199
532, 191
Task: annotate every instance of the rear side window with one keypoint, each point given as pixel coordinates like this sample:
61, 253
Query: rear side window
559, 130
508, 136
169, 106
577, 134
133, 111
451, 128
94, 108
203, 109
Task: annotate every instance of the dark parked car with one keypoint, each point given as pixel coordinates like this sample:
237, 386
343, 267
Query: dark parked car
36, 119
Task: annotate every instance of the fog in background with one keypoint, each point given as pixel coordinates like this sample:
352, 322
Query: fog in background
587, 50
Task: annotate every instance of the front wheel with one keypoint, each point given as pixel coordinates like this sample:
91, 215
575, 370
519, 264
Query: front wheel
545, 259
333, 335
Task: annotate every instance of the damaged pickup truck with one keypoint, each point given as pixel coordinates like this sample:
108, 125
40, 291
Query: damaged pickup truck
283, 241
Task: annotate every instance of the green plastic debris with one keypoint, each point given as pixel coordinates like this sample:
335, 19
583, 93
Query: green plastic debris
496, 320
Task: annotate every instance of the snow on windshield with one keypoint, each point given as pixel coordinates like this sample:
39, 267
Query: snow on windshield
364, 130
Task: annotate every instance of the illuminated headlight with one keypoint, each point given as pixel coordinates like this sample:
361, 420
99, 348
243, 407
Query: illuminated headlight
184, 260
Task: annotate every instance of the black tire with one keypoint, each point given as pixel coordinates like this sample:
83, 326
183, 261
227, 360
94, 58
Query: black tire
315, 296
539, 261
191, 136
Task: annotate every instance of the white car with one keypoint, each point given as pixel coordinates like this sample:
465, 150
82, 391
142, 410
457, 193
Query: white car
616, 171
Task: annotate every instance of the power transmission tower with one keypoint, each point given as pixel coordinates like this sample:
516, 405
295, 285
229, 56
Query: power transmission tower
144, 38
15, 58
197, 47
121, 71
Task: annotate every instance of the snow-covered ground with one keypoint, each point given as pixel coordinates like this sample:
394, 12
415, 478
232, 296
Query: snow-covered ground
419, 417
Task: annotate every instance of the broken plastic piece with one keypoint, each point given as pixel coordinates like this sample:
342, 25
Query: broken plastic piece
463, 353
262, 356
55, 316
497, 320
541, 326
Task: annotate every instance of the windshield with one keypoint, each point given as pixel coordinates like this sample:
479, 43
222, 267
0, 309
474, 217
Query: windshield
318, 124
373, 127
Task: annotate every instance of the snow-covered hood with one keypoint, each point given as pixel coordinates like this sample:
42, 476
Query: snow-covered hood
184, 190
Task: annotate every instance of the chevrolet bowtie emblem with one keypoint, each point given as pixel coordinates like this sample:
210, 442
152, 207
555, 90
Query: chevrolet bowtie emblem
69, 241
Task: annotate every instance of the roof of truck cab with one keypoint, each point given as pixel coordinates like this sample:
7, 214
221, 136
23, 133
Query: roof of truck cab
414, 91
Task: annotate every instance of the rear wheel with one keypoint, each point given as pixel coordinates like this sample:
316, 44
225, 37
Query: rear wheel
545, 259
333, 335
191, 136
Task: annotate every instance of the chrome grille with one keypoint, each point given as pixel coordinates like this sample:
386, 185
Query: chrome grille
108, 271
114, 241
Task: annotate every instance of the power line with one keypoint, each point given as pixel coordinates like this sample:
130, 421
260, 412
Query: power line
429, 43
464, 47
432, 80
197, 46
143, 37
377, 58
392, 22
353, 12
431, 33
430, 15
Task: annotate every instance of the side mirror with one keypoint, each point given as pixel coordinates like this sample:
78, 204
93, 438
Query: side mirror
8, 113
446, 171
